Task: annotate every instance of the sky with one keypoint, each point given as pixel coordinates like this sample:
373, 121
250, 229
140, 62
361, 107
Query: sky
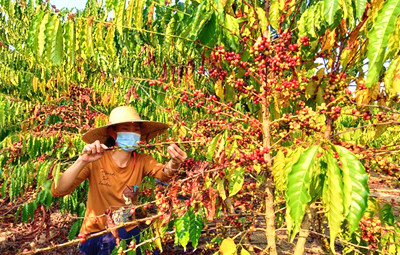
80, 4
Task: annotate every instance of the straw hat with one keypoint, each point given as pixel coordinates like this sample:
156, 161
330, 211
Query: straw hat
126, 114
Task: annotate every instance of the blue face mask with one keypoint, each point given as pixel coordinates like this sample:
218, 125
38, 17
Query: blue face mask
127, 140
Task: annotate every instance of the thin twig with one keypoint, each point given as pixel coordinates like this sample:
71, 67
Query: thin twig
368, 125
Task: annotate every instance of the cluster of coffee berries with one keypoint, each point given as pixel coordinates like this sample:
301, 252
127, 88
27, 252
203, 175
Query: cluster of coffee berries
82, 236
370, 231
232, 58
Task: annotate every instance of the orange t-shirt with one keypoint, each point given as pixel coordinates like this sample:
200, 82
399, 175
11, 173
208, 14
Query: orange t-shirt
107, 184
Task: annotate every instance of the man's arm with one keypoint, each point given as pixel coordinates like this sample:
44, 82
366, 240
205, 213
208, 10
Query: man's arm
90, 153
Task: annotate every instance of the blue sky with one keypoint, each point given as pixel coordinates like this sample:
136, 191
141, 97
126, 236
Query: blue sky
69, 4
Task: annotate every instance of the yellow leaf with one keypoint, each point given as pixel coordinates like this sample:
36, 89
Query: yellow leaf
94, 97
228, 247
219, 90
182, 131
150, 13
374, 91
329, 40
257, 167
362, 97
311, 89
157, 228
105, 99
376, 5
380, 130
278, 170
56, 173
290, 7
129, 12
348, 54
396, 82
320, 96
244, 252
277, 108
321, 73
221, 188
281, 4
34, 84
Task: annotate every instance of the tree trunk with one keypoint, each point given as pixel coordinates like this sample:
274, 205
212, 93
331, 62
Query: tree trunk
305, 226
269, 189
303, 234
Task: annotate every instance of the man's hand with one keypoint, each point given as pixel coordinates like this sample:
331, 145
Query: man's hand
177, 154
93, 152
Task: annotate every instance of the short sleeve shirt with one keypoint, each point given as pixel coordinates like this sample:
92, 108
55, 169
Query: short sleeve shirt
112, 187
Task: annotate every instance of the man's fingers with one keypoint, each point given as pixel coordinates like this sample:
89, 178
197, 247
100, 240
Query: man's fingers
93, 148
176, 153
172, 152
97, 146
178, 150
85, 150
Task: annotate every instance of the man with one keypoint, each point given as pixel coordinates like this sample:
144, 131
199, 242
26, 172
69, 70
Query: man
115, 175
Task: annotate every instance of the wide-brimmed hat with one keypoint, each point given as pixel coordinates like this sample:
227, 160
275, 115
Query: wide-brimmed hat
126, 114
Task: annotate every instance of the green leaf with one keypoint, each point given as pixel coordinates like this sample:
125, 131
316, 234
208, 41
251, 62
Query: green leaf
355, 194
232, 31
360, 8
379, 37
31, 209
196, 226
25, 212
88, 37
317, 181
236, 180
119, 17
298, 187
33, 32
278, 170
48, 199
211, 148
392, 87
41, 197
202, 16
386, 215
311, 21
330, 8
348, 12
57, 44
129, 12
333, 200
209, 35
170, 30
69, 41
138, 15
73, 231
42, 35
182, 227
49, 35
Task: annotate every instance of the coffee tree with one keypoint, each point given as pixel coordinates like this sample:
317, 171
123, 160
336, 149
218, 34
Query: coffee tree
284, 107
